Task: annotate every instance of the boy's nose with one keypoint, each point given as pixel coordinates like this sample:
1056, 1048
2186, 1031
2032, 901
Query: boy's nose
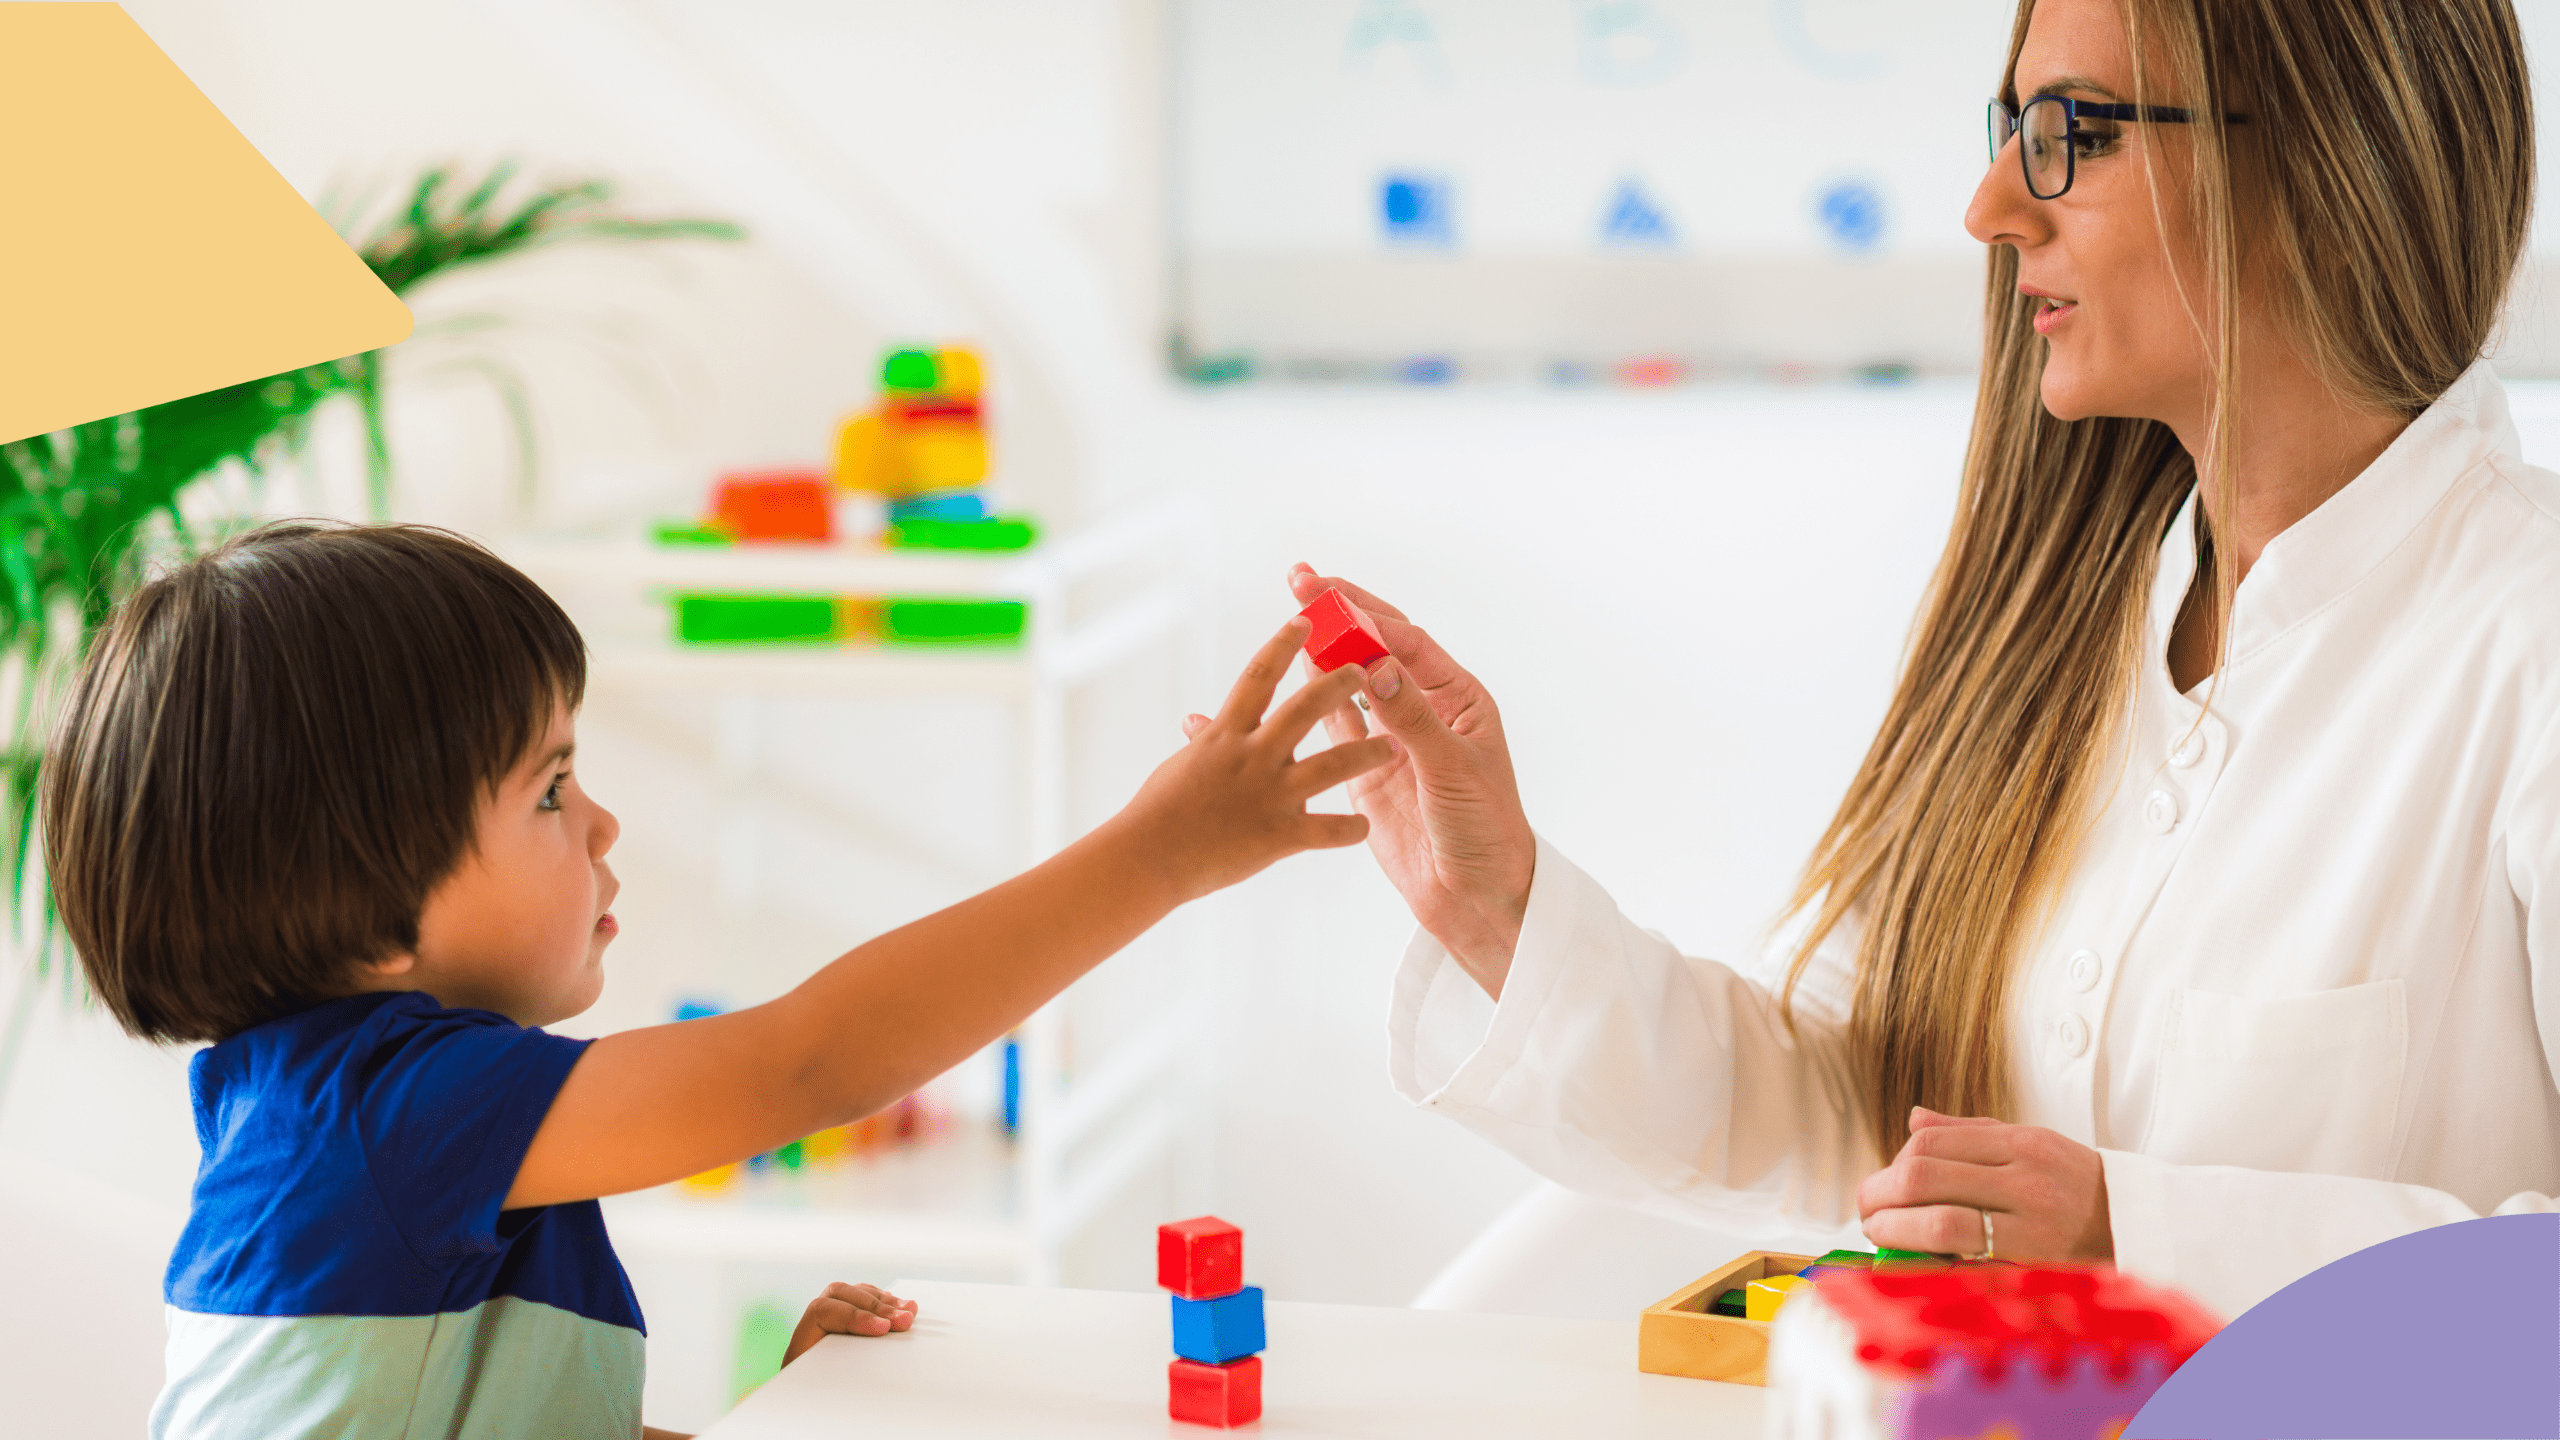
602, 834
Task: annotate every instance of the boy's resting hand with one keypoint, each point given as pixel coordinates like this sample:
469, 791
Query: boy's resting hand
849, 1310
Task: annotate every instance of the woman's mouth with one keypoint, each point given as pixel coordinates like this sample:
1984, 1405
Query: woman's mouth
2051, 311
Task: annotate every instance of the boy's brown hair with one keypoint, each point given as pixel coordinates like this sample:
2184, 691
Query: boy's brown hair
273, 754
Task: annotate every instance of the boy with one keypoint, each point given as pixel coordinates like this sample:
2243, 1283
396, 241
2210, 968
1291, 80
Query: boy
311, 799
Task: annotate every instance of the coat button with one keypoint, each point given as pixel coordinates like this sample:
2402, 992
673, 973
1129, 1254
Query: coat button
2073, 1032
2160, 812
2084, 970
2189, 751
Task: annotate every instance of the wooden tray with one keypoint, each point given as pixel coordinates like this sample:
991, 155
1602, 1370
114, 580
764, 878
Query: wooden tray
1679, 1337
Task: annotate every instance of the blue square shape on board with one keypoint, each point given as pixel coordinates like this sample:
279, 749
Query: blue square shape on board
1214, 1332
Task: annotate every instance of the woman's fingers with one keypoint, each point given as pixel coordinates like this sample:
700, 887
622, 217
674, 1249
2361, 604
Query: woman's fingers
1407, 711
1923, 1118
1252, 694
1938, 1229
1929, 1180
1306, 584
1973, 1144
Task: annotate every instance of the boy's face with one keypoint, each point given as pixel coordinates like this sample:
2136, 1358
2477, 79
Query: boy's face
521, 924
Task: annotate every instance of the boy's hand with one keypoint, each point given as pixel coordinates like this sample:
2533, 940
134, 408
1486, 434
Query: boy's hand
1234, 799
849, 1310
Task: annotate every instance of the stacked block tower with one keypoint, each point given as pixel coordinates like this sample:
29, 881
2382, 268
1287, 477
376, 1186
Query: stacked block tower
2021, 1352
924, 447
1216, 1378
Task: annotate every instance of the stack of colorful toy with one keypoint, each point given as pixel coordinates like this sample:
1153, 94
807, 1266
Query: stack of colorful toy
1926, 1352
925, 448
1217, 1323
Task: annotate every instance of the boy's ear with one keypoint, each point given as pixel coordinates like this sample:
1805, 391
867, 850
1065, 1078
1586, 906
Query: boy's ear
387, 972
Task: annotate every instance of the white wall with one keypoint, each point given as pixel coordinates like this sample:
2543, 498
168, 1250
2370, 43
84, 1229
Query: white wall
1688, 604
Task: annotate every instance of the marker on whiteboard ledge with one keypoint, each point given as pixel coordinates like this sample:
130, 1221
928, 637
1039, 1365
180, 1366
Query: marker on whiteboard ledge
1341, 635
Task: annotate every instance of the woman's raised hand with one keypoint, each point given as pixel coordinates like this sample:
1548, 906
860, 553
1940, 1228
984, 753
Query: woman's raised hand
1444, 814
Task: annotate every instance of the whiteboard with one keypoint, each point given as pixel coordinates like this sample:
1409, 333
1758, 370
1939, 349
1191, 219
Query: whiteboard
1633, 191
1466, 189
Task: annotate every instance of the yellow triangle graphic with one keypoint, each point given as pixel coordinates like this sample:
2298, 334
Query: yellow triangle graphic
149, 252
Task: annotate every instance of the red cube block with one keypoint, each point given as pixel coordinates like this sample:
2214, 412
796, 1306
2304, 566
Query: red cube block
1200, 1259
1222, 1395
775, 505
1342, 635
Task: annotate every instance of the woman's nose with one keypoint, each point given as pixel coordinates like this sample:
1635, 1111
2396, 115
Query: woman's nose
2002, 212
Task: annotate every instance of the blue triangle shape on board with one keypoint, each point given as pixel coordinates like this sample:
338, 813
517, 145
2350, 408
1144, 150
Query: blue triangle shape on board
1634, 219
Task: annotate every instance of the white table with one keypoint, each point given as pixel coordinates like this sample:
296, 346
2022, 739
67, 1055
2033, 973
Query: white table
1008, 1361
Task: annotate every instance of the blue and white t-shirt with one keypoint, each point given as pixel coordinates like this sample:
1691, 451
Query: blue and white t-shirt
346, 1269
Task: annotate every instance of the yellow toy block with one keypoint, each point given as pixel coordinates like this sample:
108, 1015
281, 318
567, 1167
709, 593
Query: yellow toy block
944, 454
869, 455
712, 1179
1761, 1298
827, 1144
957, 371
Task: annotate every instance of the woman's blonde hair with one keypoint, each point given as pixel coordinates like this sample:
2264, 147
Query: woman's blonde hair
2388, 164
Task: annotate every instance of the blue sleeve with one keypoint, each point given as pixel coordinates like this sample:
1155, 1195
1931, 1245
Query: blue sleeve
451, 1101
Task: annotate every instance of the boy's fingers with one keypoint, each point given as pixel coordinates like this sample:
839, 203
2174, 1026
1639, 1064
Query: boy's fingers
1193, 724
1261, 676
843, 1317
1298, 714
1332, 832
1321, 772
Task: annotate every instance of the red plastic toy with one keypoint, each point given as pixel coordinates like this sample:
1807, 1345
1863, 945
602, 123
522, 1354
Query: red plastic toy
1200, 1259
1342, 635
774, 505
1221, 1395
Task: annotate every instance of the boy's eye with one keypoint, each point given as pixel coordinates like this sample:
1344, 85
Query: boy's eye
551, 792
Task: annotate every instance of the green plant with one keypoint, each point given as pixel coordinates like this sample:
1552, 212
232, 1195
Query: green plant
85, 511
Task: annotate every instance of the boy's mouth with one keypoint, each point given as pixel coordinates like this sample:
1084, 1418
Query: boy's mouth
607, 925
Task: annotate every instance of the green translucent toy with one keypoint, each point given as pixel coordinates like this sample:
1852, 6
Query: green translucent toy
950, 622
1003, 532
767, 619
911, 372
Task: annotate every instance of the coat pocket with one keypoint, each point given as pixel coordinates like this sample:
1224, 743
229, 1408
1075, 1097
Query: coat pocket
2306, 1083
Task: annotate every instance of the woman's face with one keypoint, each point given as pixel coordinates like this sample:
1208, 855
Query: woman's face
2120, 340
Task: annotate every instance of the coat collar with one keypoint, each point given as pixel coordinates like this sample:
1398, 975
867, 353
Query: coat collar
2324, 554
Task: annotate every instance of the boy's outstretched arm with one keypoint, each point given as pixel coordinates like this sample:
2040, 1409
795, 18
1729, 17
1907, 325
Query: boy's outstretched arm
648, 1106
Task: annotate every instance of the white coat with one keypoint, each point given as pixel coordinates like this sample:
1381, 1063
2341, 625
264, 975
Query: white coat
2301, 990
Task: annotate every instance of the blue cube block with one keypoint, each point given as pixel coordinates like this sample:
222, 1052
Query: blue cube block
960, 505
1214, 1332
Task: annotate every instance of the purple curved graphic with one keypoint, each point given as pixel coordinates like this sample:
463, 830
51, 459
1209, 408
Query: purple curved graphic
2451, 1332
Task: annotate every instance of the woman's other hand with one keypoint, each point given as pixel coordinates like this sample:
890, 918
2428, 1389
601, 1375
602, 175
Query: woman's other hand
849, 1310
2046, 1193
1444, 813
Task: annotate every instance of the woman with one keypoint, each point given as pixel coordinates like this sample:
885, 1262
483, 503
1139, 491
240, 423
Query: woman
2186, 911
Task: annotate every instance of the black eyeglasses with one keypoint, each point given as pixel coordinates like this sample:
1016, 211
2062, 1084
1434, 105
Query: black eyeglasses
2050, 134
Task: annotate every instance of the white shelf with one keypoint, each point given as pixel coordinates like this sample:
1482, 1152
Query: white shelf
994, 672
819, 567
950, 1202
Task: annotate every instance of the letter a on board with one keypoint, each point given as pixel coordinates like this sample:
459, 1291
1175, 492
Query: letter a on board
150, 252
